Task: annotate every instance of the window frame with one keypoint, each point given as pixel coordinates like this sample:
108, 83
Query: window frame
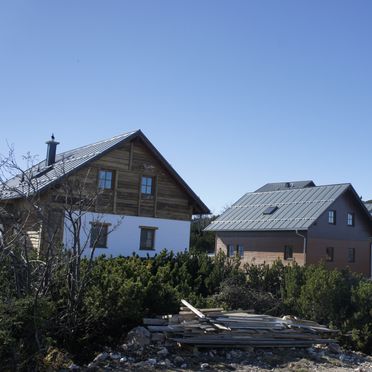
144, 192
147, 229
240, 250
330, 254
351, 258
352, 216
231, 251
105, 179
102, 225
332, 221
288, 253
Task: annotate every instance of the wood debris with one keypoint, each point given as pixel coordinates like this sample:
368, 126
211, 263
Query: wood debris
217, 328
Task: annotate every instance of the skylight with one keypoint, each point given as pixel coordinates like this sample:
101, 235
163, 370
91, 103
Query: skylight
270, 210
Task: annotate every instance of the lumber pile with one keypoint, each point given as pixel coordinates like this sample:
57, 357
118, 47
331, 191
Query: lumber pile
213, 328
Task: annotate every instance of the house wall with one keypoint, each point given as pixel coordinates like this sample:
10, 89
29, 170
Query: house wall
342, 237
124, 239
129, 163
263, 247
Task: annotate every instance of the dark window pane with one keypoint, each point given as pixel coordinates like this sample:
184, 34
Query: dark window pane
270, 210
350, 219
332, 217
288, 252
147, 239
329, 254
351, 255
231, 250
98, 235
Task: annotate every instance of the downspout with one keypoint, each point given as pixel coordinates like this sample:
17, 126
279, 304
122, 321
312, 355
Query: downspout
305, 245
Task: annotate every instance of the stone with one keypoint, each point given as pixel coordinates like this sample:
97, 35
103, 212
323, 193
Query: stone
183, 366
204, 366
178, 360
168, 363
123, 360
334, 348
92, 365
163, 352
115, 356
73, 367
101, 357
152, 361
139, 336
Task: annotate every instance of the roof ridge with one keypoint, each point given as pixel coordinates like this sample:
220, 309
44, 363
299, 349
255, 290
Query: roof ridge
298, 189
99, 142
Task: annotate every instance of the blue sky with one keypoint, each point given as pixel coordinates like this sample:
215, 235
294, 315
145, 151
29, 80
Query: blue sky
234, 94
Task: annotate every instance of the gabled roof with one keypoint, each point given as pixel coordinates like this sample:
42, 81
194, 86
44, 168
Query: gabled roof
40, 177
285, 186
297, 209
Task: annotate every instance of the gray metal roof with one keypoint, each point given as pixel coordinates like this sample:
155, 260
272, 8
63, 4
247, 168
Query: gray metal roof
276, 186
369, 207
40, 176
297, 209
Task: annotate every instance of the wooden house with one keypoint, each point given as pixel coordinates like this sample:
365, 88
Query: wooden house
128, 198
298, 221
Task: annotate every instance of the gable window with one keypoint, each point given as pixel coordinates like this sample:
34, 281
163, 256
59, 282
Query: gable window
147, 239
231, 250
147, 185
288, 252
240, 249
329, 254
350, 219
105, 178
98, 235
332, 217
351, 255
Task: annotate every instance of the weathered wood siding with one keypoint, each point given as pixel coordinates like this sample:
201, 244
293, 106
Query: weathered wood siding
129, 163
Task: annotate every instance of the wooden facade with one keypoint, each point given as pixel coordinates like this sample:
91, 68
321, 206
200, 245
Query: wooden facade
128, 162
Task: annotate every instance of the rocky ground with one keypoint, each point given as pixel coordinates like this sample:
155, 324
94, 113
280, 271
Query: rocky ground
161, 358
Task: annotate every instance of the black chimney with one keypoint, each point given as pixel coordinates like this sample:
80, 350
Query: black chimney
51, 151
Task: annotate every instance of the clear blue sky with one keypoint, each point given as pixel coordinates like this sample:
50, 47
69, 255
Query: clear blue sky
233, 93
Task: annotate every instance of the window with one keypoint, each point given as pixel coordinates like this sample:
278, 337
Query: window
231, 250
288, 252
98, 235
240, 249
147, 240
270, 210
105, 179
332, 217
147, 185
351, 255
329, 254
350, 219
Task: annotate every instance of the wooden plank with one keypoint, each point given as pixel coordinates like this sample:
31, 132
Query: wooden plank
193, 309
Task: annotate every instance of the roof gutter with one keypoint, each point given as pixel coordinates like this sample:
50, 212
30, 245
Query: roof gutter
305, 245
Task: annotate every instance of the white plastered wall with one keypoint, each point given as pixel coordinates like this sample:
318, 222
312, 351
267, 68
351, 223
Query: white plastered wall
124, 239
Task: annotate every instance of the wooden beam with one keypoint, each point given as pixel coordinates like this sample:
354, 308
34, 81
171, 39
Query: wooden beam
131, 150
155, 195
193, 309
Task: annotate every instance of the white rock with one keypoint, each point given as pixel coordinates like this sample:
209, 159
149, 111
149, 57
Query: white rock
152, 361
101, 357
74, 367
204, 366
123, 360
183, 366
115, 356
139, 336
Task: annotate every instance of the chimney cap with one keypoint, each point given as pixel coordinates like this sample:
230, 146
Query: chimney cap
52, 140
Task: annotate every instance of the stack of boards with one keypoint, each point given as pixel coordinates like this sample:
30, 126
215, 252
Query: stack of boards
213, 328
